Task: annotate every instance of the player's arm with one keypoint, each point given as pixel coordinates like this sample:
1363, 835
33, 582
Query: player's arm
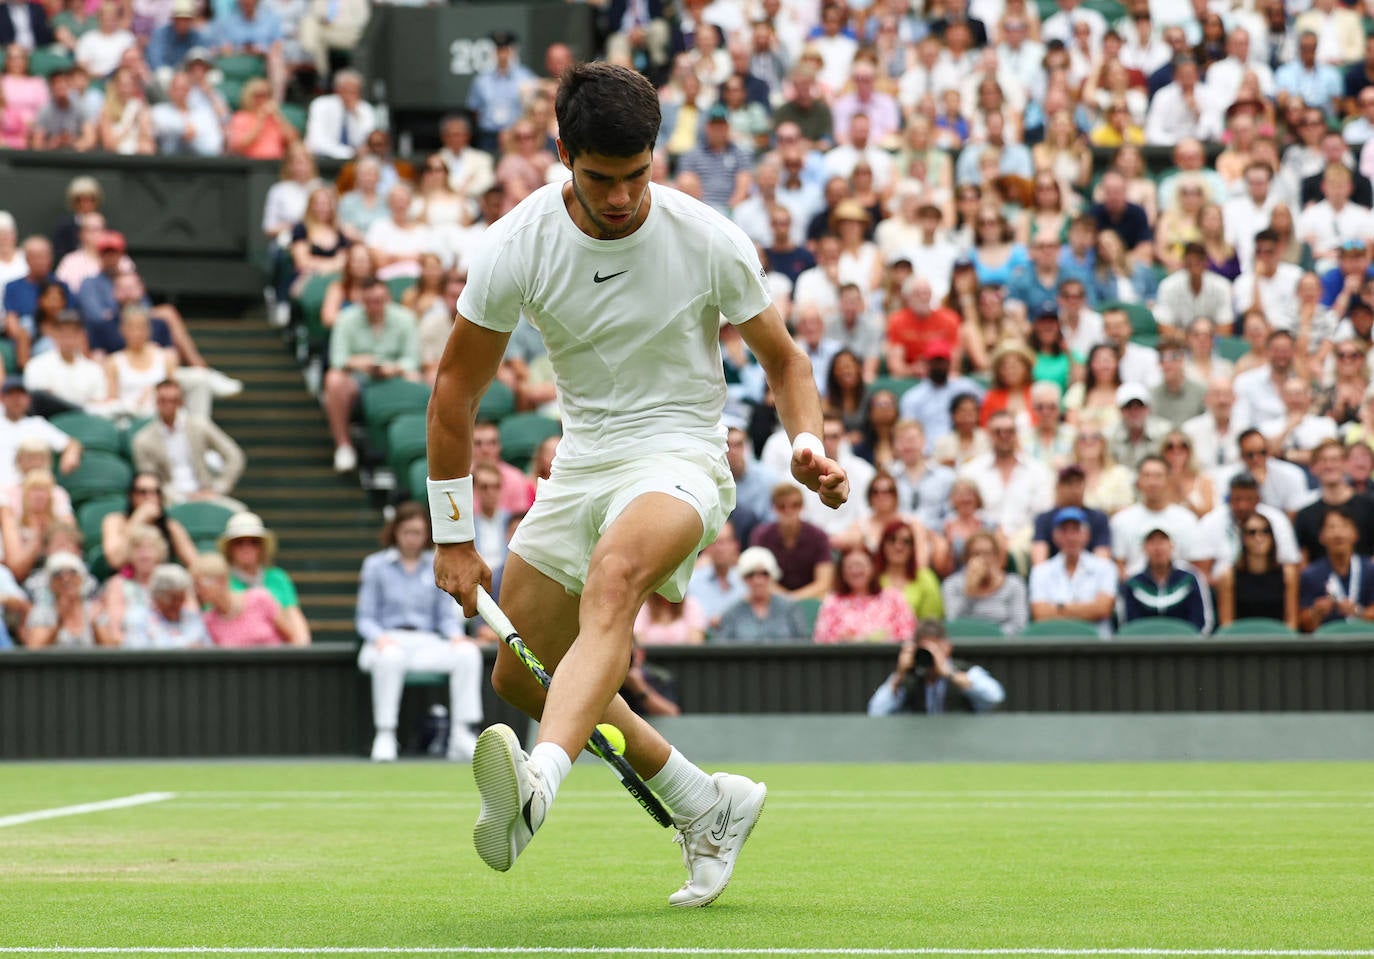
469, 364
799, 403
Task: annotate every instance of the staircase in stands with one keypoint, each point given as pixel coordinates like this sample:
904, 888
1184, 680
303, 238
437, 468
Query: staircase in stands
325, 523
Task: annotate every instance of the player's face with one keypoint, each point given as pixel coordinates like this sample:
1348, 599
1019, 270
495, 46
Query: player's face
610, 192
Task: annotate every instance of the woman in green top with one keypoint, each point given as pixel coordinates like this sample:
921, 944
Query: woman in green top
897, 568
1053, 361
249, 548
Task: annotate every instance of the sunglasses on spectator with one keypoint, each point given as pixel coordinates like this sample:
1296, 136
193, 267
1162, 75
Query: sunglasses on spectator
1347, 355
146, 491
903, 540
884, 491
1258, 531
1253, 454
1176, 446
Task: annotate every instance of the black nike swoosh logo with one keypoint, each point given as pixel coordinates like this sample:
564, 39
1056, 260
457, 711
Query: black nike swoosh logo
598, 278
723, 823
527, 811
688, 492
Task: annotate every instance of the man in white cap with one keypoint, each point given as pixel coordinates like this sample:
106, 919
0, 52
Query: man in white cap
1139, 433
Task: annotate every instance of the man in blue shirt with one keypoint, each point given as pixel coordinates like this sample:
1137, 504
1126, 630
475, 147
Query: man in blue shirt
1316, 84
722, 167
1348, 276
1340, 585
495, 93
21, 295
174, 40
255, 31
928, 402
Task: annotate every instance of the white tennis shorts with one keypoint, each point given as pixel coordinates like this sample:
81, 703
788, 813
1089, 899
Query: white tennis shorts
575, 506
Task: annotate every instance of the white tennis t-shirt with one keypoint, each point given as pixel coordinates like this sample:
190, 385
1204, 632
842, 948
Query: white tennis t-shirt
632, 325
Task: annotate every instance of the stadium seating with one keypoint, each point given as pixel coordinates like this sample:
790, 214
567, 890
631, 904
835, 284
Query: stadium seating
384, 401
521, 435
99, 473
1059, 628
93, 512
1158, 626
405, 441
810, 608
965, 628
203, 521
497, 403
1231, 347
1252, 626
92, 432
1343, 627
897, 384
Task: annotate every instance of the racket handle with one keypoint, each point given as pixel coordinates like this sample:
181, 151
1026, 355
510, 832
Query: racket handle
493, 614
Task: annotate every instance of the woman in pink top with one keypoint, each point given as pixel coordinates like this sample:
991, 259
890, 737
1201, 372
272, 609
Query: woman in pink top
859, 610
249, 618
258, 130
23, 93
661, 623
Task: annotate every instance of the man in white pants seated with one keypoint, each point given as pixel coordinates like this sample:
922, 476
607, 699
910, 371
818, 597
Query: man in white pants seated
410, 625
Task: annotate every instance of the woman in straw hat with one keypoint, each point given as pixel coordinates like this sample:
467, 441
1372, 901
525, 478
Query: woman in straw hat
860, 261
249, 548
1012, 363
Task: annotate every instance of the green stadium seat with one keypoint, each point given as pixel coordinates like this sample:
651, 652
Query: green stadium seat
203, 521
127, 433
415, 480
405, 441
426, 679
521, 435
1230, 347
296, 115
1158, 626
232, 91
897, 384
99, 474
241, 67
384, 401
310, 303
9, 357
92, 432
1342, 627
1255, 626
1142, 319
497, 403
398, 286
811, 608
965, 628
93, 512
95, 562
1111, 10
1060, 628
44, 63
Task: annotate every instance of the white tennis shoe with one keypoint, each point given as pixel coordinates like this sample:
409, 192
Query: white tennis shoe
513, 798
711, 843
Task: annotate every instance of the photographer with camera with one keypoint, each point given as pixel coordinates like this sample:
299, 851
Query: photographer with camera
929, 680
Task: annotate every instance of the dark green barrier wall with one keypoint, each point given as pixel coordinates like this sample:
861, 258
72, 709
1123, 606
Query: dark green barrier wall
313, 701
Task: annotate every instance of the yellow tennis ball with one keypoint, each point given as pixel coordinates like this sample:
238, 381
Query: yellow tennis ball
613, 736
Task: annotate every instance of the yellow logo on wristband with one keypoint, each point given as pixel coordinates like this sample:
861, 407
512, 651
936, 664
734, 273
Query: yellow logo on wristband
456, 514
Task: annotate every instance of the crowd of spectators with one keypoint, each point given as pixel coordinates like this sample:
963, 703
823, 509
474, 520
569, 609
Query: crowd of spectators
1065, 386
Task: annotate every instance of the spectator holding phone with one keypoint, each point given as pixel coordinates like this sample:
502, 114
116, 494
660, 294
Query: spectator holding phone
928, 679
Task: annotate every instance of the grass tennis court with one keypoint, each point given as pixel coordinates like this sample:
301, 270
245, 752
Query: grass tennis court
882, 858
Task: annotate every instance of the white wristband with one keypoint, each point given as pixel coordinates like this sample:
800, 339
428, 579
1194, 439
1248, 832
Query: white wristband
450, 509
808, 441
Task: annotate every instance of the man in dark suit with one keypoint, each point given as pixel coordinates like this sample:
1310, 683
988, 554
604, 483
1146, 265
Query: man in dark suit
1333, 149
958, 12
929, 680
640, 30
25, 24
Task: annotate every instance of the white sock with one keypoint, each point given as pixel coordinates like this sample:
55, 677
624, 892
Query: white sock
684, 787
553, 764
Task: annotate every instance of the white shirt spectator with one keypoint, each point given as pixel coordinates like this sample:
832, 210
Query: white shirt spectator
99, 52
1210, 448
1093, 577
1310, 431
179, 456
1171, 119
409, 242
14, 432
918, 80
1278, 295
1025, 63
837, 57
1224, 78
1140, 364
1284, 487
1325, 228
1059, 26
81, 382
841, 160
1177, 305
1013, 502
937, 263
1130, 525
1258, 400
1243, 219
327, 121
815, 286
1219, 533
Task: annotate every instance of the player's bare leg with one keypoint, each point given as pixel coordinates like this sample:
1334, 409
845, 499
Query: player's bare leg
714, 813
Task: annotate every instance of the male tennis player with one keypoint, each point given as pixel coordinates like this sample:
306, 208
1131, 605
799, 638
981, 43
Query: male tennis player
627, 281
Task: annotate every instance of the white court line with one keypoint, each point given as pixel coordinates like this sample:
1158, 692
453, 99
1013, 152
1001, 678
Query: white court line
1046, 794
652, 951
583, 803
123, 802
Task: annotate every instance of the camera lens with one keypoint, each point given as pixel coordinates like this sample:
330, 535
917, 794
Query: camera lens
924, 659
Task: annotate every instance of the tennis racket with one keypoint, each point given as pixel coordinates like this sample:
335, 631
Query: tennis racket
597, 745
